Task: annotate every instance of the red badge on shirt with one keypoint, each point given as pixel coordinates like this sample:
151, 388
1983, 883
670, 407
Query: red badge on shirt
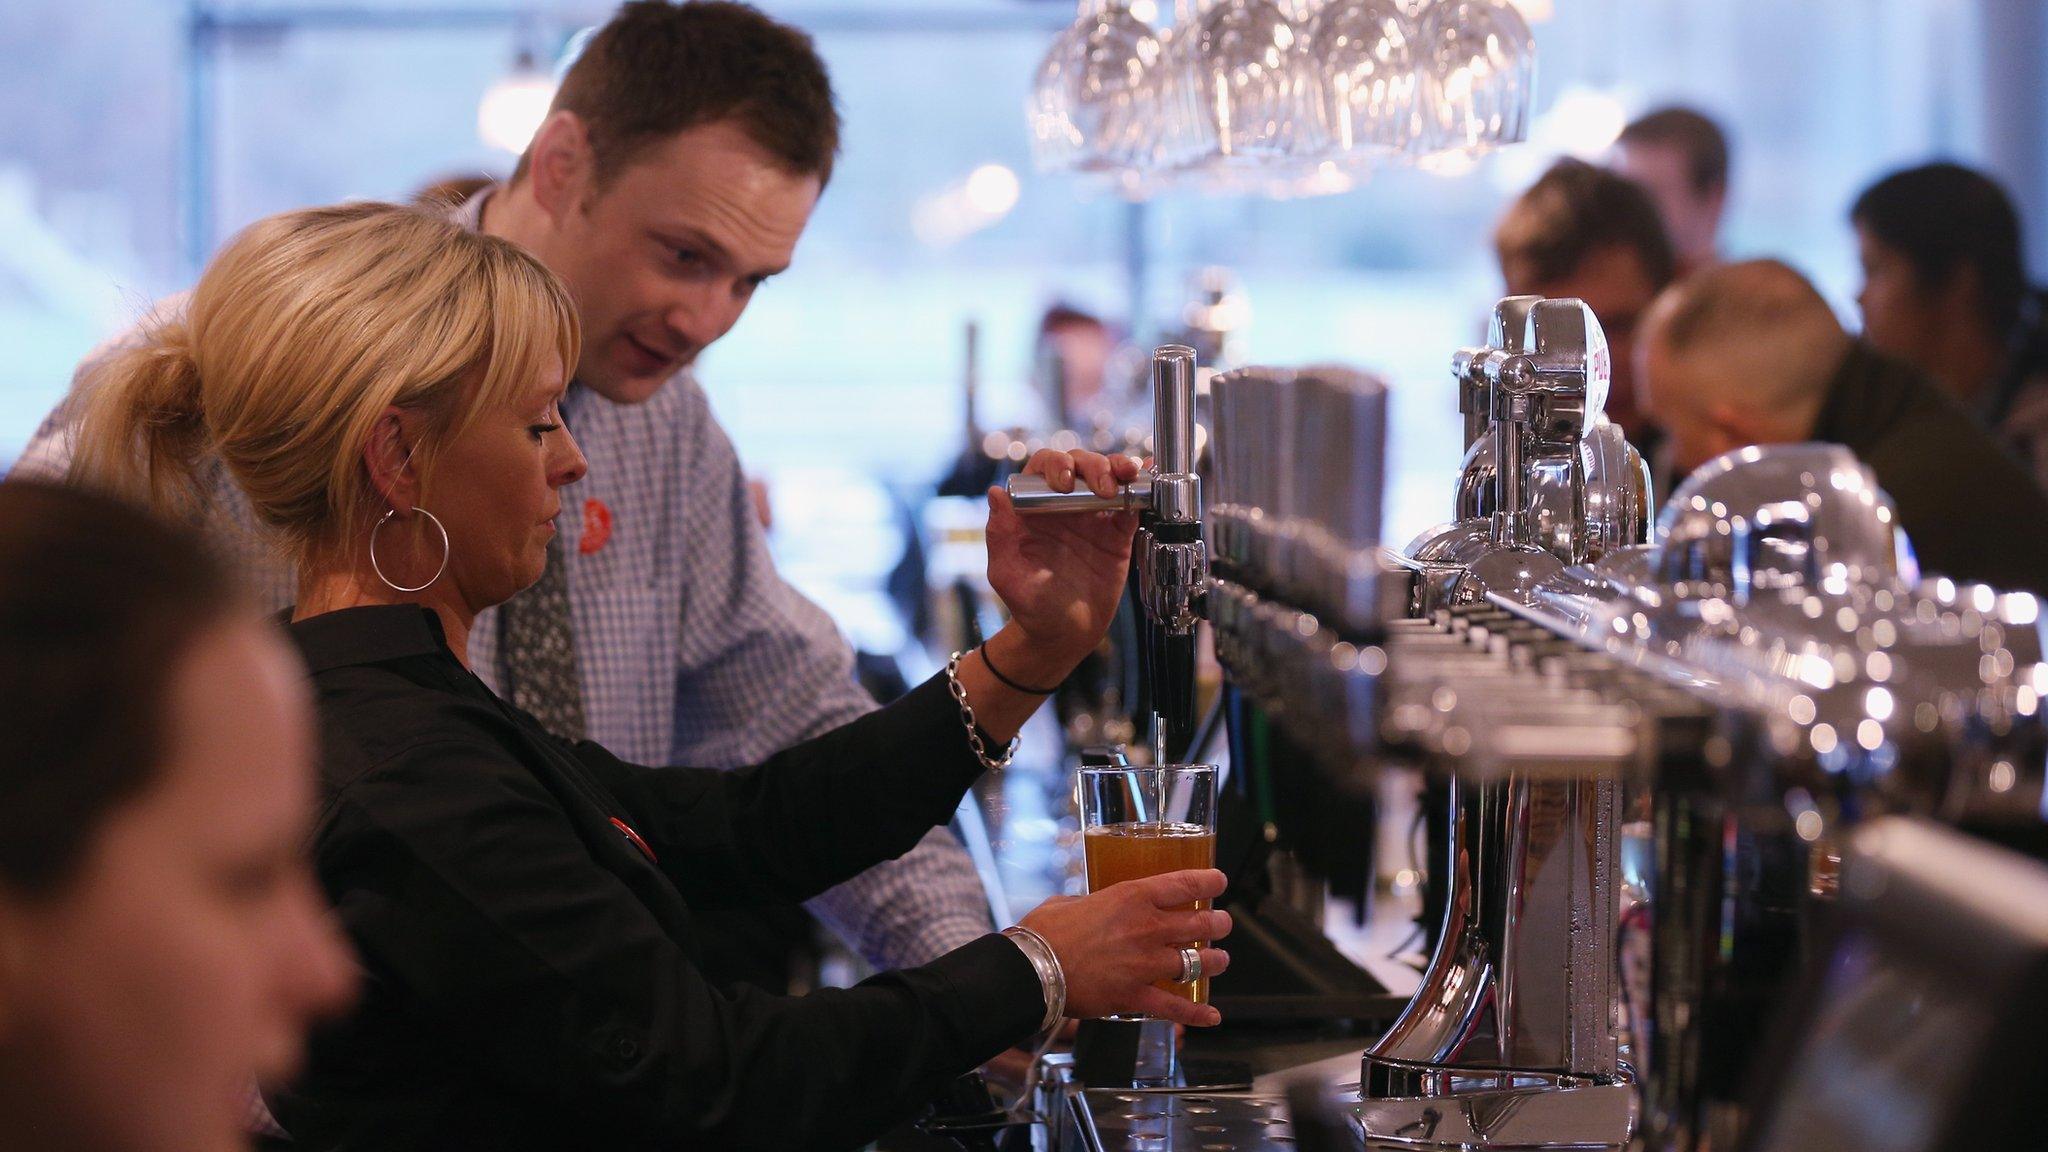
597, 527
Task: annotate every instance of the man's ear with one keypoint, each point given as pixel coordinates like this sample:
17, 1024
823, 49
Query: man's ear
560, 164
387, 457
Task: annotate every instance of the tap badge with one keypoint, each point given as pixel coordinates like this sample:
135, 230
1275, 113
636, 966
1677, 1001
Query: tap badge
597, 527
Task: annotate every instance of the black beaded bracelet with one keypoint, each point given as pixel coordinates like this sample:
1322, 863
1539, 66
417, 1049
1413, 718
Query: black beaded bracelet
998, 674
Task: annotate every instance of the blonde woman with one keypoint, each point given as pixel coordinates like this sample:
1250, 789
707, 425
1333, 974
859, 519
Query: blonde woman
384, 386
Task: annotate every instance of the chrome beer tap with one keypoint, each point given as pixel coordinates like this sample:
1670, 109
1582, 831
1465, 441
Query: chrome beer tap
1510, 1041
1547, 474
1172, 557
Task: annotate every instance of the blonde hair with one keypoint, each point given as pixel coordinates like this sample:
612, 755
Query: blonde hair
1759, 333
305, 328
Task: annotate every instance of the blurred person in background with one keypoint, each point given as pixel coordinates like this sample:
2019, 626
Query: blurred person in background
1945, 288
1680, 156
1750, 353
1071, 364
162, 943
1582, 231
386, 388
685, 151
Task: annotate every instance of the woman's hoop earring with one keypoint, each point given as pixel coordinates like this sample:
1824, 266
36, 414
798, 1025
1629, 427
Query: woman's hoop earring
379, 568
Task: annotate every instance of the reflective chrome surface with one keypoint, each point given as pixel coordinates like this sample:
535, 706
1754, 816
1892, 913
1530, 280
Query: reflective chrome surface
1545, 472
1082, 1119
1767, 675
1791, 515
1510, 1042
1033, 496
1177, 491
1302, 589
1171, 555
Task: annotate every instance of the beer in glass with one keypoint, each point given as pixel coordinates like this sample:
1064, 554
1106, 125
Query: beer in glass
1138, 822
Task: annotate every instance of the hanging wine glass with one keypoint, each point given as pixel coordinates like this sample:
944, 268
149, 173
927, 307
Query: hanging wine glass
1477, 62
1087, 108
1365, 86
1244, 63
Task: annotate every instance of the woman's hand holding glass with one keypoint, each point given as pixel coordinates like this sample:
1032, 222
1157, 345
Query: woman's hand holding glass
1117, 945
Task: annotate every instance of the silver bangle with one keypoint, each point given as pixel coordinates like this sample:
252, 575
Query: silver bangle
1052, 979
974, 740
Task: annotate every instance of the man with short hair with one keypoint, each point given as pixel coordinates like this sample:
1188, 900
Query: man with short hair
1587, 232
681, 160
1681, 157
1750, 353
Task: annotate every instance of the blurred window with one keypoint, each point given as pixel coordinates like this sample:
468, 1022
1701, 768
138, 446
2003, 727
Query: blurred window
853, 360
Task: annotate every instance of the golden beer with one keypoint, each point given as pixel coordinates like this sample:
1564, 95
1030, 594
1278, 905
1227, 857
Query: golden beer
1119, 852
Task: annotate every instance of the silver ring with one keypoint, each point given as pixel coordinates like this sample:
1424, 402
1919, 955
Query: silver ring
1190, 965
378, 568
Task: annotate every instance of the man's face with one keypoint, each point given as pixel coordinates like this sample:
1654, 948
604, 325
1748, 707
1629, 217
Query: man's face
664, 258
1614, 282
1693, 219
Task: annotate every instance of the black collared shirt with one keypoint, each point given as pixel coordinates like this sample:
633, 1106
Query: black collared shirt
521, 906
1972, 512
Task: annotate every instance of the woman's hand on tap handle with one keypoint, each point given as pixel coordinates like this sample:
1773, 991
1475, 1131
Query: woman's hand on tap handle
1060, 576
1116, 944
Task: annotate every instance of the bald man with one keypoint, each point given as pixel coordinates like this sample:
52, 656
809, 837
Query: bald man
1750, 353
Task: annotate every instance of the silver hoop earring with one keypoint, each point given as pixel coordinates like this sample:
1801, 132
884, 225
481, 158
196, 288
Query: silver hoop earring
379, 568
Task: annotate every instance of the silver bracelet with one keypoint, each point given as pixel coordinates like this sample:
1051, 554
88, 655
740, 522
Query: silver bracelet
974, 740
1052, 979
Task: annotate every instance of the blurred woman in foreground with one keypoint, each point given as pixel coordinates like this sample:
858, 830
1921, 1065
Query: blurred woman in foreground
162, 945
386, 389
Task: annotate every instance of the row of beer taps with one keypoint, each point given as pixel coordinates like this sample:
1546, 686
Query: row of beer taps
1760, 665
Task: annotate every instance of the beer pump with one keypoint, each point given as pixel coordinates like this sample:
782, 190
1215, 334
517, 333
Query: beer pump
1171, 566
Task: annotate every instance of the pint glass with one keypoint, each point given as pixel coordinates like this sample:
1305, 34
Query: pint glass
1139, 822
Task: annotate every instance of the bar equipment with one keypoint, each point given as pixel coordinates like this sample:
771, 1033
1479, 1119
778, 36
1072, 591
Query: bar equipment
1846, 688
1767, 666
1279, 97
1298, 594
1919, 1028
1544, 471
1172, 561
1477, 64
1510, 1042
1286, 966
1367, 91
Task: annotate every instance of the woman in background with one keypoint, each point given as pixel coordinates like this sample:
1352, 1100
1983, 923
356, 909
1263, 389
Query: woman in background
162, 944
1945, 288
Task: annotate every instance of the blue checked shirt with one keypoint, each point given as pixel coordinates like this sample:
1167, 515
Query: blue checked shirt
691, 647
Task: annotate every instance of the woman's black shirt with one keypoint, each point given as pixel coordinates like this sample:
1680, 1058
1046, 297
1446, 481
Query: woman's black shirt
521, 908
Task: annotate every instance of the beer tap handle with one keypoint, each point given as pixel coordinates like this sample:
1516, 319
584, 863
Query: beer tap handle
1032, 496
